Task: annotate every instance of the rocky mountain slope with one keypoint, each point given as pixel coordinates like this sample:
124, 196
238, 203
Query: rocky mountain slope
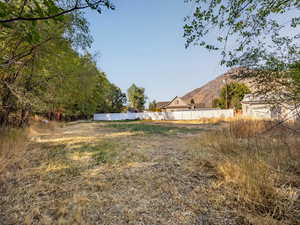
208, 92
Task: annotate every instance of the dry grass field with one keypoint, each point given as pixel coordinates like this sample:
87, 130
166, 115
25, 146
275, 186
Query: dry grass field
202, 172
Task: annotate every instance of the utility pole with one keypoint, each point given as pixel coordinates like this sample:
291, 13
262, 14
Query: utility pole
226, 94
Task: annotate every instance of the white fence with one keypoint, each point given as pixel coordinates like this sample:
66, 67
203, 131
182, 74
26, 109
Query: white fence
179, 115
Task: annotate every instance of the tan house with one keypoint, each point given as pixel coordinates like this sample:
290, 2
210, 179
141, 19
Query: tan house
176, 104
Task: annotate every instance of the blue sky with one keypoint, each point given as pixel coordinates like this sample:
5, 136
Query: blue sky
141, 42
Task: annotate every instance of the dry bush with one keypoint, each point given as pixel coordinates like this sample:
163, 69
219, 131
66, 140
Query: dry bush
242, 128
259, 175
12, 147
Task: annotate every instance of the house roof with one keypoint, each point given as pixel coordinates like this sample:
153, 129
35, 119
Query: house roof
161, 104
179, 106
170, 101
252, 98
166, 104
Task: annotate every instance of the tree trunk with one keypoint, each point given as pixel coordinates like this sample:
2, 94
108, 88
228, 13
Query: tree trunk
24, 118
4, 116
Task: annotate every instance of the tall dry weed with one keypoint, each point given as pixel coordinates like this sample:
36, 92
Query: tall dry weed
260, 174
242, 128
12, 147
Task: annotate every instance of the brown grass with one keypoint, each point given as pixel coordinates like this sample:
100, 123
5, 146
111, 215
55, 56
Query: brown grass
199, 121
246, 128
12, 147
259, 173
94, 173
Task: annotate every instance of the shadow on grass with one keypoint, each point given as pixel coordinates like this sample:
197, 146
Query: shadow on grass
70, 161
102, 152
151, 128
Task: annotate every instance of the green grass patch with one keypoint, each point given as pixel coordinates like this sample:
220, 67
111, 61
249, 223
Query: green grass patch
105, 152
151, 129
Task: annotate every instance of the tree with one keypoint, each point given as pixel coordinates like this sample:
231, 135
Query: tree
254, 29
231, 96
136, 97
116, 99
30, 65
295, 80
22, 19
262, 36
153, 106
35, 10
47, 76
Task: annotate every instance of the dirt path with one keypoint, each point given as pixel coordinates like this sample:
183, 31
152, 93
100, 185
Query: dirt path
92, 173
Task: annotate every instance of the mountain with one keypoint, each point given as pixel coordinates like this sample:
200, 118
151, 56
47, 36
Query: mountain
208, 92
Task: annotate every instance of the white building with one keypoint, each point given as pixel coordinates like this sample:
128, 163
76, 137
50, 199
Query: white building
256, 106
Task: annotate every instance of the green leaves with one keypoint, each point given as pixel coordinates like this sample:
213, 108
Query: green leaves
243, 28
231, 96
4, 9
136, 97
44, 73
38, 9
20, 11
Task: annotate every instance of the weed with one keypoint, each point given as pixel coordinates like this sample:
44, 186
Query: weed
258, 174
12, 147
90, 174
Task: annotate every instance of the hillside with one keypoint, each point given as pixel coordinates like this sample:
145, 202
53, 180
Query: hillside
205, 94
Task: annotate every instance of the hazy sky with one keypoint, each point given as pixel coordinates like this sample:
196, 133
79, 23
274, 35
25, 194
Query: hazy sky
141, 42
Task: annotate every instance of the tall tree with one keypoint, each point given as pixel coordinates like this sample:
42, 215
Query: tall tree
44, 73
136, 97
27, 59
231, 96
153, 106
116, 99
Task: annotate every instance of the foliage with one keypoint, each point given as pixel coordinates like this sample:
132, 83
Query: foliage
136, 97
231, 96
36, 10
41, 71
294, 81
117, 99
114, 99
262, 36
153, 106
253, 28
